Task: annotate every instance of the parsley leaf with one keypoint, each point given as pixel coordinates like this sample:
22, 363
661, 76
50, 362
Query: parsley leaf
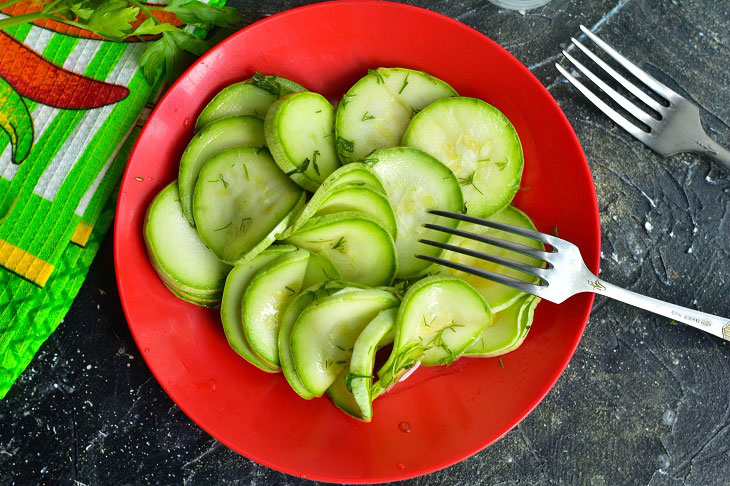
113, 19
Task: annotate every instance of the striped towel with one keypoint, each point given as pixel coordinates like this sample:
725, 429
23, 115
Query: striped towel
68, 105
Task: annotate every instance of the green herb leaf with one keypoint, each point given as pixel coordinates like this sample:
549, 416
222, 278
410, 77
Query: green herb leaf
113, 19
199, 14
367, 116
171, 54
150, 27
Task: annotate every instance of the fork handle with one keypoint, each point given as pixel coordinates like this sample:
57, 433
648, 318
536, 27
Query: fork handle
717, 152
715, 325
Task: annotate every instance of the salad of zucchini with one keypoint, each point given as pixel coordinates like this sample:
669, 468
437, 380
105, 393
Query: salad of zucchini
302, 222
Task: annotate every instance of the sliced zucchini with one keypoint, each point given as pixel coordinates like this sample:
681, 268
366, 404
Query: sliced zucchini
378, 333
269, 292
212, 302
319, 269
355, 173
497, 295
325, 332
217, 136
241, 201
176, 251
375, 112
251, 97
300, 134
352, 196
478, 143
236, 285
416, 183
508, 330
440, 317
290, 316
342, 397
361, 249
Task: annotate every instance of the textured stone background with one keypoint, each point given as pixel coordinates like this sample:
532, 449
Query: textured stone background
642, 402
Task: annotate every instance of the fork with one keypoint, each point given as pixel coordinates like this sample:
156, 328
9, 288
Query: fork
678, 128
564, 275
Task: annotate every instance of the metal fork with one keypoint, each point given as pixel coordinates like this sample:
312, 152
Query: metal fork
678, 128
564, 276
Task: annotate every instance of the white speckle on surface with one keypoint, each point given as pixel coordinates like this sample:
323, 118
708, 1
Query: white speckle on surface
669, 417
88, 366
648, 226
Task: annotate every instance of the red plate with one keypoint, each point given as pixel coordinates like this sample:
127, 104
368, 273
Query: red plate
448, 414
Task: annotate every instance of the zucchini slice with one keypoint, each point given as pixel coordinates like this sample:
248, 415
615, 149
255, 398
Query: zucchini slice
217, 136
497, 295
361, 249
325, 332
478, 143
176, 251
355, 173
375, 112
289, 318
508, 330
251, 97
416, 183
342, 397
378, 333
299, 132
236, 285
440, 317
241, 201
269, 292
351, 196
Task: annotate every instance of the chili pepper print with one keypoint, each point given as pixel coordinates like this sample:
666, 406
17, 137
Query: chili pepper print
15, 120
40, 80
30, 6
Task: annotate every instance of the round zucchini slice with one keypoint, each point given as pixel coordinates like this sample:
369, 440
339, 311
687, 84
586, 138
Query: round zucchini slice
299, 132
251, 97
176, 251
416, 183
508, 330
361, 249
375, 112
241, 201
325, 332
217, 136
478, 143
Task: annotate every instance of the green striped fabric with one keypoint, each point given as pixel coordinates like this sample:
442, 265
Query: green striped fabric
56, 205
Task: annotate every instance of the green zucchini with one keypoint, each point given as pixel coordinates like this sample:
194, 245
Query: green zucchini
378, 333
299, 132
440, 317
236, 285
351, 196
325, 332
497, 295
251, 97
478, 143
508, 330
361, 249
355, 173
415, 183
241, 201
375, 112
217, 136
289, 318
269, 292
176, 251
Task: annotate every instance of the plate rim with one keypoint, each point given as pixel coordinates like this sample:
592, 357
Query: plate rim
592, 260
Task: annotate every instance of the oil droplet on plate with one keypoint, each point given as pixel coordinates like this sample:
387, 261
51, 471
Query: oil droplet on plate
404, 426
401, 466
186, 122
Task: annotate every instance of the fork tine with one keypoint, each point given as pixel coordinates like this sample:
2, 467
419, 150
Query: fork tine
638, 133
522, 267
527, 233
615, 95
649, 80
507, 245
648, 100
495, 277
